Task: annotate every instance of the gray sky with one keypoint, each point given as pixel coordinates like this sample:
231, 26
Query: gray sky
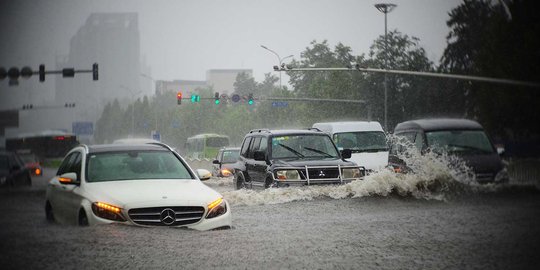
183, 39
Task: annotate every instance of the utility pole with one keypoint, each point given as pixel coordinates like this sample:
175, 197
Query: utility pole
280, 60
385, 8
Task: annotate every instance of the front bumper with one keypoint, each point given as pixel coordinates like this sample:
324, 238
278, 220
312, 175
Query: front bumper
202, 224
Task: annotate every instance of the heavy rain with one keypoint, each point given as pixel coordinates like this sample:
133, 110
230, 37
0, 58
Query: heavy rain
269, 134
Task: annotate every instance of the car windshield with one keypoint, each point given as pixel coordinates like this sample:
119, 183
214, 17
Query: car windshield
467, 141
134, 165
230, 156
367, 141
303, 146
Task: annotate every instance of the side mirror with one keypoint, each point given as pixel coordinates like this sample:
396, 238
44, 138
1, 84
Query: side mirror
346, 153
203, 174
215, 161
69, 178
259, 156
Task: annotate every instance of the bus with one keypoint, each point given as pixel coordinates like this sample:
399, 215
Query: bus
205, 145
44, 145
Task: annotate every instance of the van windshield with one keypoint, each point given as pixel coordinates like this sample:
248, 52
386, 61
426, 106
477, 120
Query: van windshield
366, 141
467, 141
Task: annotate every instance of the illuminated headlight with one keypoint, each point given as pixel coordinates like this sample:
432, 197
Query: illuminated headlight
107, 211
350, 173
216, 208
226, 173
287, 175
502, 176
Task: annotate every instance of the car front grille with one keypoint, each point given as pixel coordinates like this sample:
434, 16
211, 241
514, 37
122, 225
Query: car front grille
161, 216
323, 173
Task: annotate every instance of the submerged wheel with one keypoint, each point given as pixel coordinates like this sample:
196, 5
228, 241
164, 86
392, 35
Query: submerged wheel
268, 182
83, 219
49, 212
239, 182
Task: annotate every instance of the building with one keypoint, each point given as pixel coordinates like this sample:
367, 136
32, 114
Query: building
222, 80
112, 40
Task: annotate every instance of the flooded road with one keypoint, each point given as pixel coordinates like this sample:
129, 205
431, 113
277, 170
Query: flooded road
315, 228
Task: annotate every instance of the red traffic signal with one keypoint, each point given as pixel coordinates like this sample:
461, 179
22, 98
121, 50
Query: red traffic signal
179, 97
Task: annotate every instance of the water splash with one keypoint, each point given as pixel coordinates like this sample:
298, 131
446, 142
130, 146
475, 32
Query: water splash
432, 176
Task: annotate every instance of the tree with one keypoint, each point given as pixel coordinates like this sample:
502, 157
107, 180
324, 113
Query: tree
408, 96
485, 41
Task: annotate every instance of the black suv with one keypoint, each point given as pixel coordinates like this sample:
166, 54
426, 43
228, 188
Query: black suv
276, 158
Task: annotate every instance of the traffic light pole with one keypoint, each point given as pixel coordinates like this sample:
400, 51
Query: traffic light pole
420, 73
26, 72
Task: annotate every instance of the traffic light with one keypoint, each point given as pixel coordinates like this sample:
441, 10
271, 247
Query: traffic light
250, 99
41, 73
95, 72
195, 98
216, 98
27, 106
69, 105
179, 97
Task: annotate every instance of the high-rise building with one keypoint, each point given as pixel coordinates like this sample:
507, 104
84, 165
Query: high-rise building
111, 40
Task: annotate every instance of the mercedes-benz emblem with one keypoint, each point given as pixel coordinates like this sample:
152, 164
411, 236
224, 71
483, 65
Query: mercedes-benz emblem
167, 216
321, 174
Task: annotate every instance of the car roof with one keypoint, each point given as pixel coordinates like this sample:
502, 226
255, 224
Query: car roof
280, 132
101, 148
433, 124
230, 149
135, 140
349, 126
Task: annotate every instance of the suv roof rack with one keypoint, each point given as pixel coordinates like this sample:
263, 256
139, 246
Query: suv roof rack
314, 129
259, 130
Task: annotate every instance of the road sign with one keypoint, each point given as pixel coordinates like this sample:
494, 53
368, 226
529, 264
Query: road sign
155, 135
280, 104
83, 128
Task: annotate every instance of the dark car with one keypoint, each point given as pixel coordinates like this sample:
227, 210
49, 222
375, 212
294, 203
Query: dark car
463, 138
223, 165
31, 162
277, 158
12, 170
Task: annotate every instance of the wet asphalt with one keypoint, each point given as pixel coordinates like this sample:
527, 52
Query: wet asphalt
475, 231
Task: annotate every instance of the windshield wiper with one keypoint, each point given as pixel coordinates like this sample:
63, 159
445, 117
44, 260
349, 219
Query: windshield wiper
291, 150
318, 151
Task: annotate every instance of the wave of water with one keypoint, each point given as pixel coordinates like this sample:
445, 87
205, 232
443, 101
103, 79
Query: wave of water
433, 177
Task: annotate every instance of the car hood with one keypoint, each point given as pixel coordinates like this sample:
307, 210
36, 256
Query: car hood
371, 161
147, 193
490, 163
311, 162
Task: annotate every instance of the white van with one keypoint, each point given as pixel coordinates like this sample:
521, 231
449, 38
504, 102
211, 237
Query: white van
367, 141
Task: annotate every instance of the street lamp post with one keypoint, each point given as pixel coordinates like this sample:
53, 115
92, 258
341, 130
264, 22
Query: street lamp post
385, 8
280, 60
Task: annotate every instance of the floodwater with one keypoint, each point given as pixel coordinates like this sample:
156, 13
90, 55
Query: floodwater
434, 218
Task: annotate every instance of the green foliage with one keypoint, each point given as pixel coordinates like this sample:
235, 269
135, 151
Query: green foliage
485, 41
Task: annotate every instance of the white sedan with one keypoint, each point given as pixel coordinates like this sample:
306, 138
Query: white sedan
143, 184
